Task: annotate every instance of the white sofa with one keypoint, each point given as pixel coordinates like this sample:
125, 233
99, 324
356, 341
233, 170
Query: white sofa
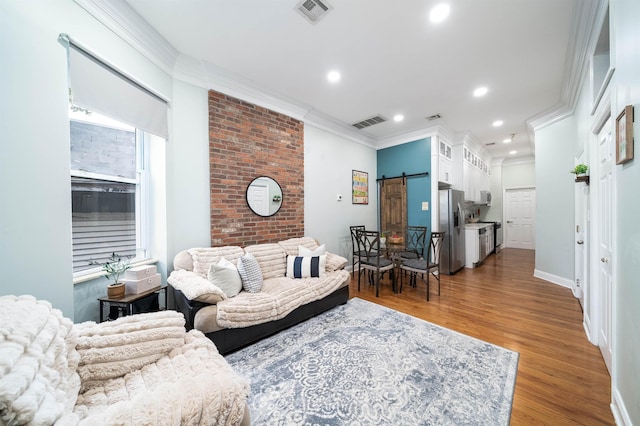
139, 369
233, 322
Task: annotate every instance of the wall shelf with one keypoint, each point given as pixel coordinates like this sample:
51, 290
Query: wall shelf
584, 179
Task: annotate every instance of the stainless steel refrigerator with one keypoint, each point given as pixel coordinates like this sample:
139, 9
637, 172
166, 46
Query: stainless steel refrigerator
452, 223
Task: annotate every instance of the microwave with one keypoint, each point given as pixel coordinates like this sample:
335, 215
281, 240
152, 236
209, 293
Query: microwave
485, 198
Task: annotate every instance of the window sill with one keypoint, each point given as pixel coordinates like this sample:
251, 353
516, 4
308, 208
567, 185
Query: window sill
93, 275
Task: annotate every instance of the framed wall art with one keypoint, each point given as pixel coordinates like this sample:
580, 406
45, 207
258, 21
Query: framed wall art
624, 135
360, 187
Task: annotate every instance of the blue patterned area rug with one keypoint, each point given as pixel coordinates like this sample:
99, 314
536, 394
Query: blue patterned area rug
364, 364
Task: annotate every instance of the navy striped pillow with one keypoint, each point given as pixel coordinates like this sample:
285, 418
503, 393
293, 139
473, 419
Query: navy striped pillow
306, 266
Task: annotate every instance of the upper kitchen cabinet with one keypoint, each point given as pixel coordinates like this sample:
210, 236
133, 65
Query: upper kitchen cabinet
471, 169
445, 162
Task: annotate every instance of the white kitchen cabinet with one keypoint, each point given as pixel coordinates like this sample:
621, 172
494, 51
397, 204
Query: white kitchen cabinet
445, 162
472, 247
445, 171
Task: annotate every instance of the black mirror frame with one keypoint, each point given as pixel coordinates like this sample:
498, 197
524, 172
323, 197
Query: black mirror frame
275, 200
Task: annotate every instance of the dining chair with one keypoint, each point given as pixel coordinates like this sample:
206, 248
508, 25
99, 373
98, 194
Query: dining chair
355, 253
415, 237
370, 258
426, 266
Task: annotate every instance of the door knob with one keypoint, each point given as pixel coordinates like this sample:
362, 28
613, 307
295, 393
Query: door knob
580, 242
604, 260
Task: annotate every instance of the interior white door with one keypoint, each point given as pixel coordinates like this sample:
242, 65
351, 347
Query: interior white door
520, 209
258, 198
605, 240
581, 278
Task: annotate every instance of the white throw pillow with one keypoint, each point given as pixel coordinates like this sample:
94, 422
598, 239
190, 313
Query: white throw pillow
307, 266
250, 273
224, 274
305, 252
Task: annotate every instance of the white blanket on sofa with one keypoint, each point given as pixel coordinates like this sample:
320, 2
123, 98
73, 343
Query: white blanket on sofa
142, 369
277, 298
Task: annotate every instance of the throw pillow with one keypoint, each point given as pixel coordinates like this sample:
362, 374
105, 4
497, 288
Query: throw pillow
250, 273
306, 252
306, 266
225, 275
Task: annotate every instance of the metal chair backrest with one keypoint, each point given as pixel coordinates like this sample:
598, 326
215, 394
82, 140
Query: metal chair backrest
435, 246
415, 239
354, 237
369, 245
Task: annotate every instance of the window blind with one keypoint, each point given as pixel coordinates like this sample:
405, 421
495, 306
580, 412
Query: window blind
97, 86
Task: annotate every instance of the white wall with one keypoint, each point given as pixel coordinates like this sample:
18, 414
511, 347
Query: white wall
35, 217
626, 321
328, 162
554, 200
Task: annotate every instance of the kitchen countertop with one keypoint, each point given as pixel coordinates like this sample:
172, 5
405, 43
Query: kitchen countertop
478, 225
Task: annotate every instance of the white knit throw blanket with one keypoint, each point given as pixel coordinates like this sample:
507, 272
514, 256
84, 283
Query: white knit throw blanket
142, 369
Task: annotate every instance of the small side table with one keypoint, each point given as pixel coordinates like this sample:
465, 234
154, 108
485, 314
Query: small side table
125, 304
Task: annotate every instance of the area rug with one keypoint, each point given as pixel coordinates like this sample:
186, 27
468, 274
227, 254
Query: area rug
364, 364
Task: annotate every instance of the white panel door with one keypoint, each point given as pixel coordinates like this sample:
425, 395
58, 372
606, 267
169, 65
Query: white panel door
520, 209
605, 240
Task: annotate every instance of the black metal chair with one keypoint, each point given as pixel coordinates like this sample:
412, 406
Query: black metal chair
415, 238
355, 253
370, 258
429, 266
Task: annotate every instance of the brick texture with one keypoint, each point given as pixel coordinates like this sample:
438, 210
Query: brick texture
247, 141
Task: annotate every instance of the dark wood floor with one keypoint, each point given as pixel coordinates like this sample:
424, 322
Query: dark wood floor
562, 378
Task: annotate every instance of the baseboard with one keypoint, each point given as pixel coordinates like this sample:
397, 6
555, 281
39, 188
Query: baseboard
564, 282
620, 413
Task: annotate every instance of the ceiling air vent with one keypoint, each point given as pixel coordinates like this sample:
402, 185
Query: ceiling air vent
313, 10
369, 122
434, 117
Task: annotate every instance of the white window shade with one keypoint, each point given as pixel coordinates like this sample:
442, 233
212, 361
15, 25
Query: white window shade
98, 87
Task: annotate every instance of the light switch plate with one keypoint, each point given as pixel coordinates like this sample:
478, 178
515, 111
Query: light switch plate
425, 205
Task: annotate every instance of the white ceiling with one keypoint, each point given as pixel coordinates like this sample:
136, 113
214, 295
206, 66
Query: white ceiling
392, 59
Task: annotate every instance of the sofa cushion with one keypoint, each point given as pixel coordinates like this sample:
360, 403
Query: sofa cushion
204, 257
224, 274
250, 273
271, 258
195, 287
306, 266
304, 251
291, 246
335, 262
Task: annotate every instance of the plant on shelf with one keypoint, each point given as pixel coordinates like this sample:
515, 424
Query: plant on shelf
580, 169
114, 267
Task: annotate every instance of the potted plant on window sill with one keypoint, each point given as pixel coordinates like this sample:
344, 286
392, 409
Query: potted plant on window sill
581, 170
114, 268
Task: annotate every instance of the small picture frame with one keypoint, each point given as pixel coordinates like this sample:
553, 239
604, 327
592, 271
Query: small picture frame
624, 135
360, 187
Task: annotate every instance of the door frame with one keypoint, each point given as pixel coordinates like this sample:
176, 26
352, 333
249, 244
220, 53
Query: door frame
504, 212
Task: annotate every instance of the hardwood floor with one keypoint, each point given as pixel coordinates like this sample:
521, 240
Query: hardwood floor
562, 378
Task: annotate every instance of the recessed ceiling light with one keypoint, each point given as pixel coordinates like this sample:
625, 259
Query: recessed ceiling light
439, 13
480, 91
513, 152
497, 123
508, 140
333, 76
398, 118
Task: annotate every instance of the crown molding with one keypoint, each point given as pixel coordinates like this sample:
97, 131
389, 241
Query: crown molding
127, 24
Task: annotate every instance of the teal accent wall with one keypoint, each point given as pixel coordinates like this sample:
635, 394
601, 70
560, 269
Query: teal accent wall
410, 158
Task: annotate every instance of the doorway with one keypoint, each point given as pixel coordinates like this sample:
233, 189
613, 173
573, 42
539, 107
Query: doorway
393, 205
519, 213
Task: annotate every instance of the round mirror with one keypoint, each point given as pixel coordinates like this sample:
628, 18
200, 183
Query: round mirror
264, 196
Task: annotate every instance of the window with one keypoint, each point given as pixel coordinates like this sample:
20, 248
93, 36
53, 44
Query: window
107, 190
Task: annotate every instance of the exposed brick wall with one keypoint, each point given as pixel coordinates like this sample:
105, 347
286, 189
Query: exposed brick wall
247, 141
